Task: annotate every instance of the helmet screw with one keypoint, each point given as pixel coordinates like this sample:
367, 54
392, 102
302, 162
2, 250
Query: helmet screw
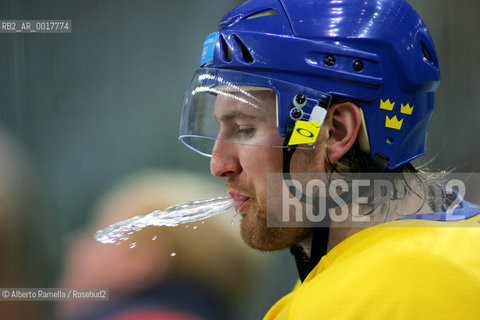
357, 65
296, 113
300, 100
329, 60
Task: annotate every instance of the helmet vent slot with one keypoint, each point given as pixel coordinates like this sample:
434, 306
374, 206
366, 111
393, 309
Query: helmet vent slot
226, 50
264, 13
425, 52
247, 57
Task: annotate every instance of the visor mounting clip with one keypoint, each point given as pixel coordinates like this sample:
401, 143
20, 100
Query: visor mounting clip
296, 114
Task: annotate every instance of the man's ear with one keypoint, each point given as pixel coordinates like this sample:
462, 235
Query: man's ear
343, 122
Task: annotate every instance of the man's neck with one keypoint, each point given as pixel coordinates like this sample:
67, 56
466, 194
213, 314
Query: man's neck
391, 211
340, 231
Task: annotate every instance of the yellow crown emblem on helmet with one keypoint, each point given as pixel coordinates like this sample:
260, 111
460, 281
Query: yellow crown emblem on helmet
386, 105
393, 123
406, 109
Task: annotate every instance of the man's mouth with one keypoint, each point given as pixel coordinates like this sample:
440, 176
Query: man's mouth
240, 200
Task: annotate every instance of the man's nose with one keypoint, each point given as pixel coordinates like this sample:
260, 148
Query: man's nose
224, 162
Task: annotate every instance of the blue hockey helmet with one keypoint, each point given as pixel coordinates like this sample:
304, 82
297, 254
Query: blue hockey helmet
378, 54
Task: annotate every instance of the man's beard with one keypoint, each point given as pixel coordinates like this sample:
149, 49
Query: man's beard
257, 235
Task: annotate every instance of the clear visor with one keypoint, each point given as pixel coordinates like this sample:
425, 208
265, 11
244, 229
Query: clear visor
236, 107
219, 110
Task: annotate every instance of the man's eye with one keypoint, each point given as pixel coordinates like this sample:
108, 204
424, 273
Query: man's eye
245, 131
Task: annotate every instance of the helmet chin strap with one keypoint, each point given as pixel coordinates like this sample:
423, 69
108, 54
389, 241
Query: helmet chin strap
305, 263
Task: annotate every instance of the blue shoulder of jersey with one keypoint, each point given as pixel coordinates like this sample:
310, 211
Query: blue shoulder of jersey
464, 210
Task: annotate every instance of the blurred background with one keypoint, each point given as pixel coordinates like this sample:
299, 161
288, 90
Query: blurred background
80, 111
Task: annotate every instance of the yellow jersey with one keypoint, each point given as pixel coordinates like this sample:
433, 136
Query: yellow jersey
404, 269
